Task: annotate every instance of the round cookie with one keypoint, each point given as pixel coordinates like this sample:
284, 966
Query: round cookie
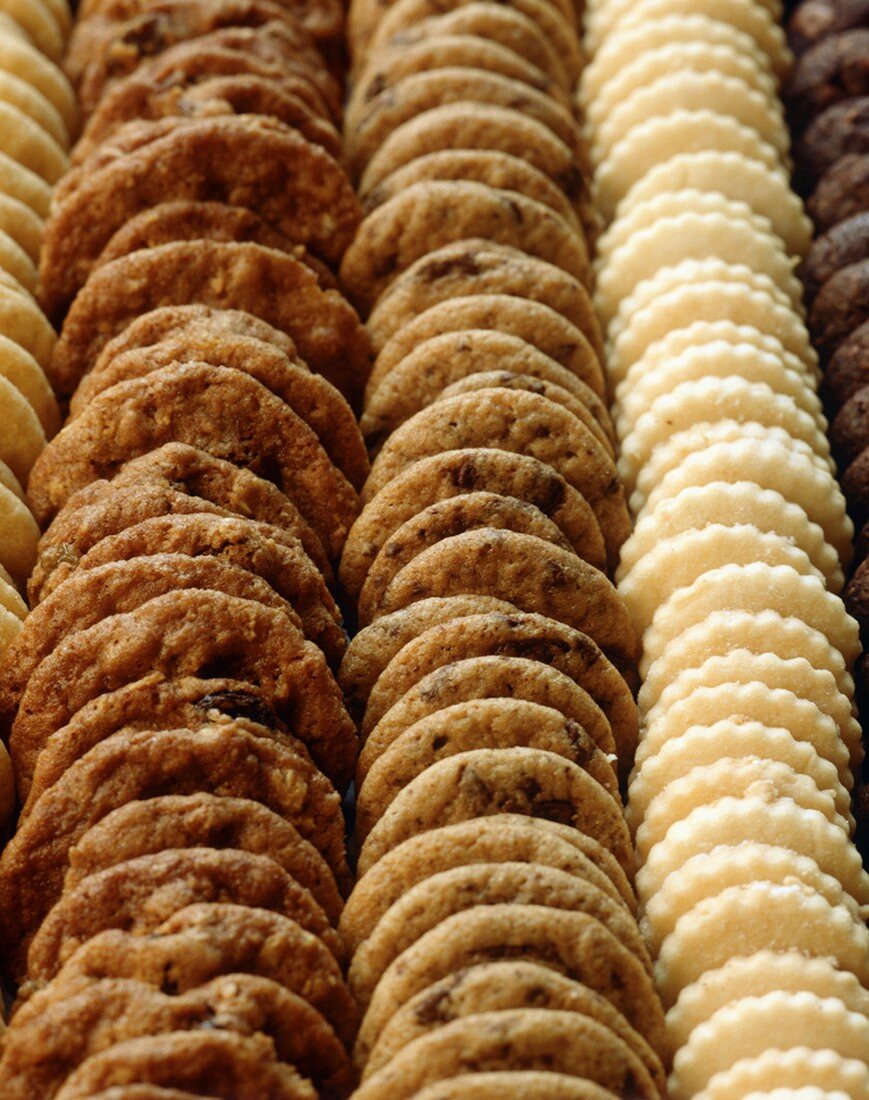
837, 131
140, 894
531, 574
481, 724
25, 228
23, 322
22, 59
840, 306
21, 369
807, 1073
17, 264
20, 183
203, 820
572, 943
271, 285
234, 1065
845, 243
19, 449
40, 24
476, 267
486, 781
26, 97
26, 142
233, 415
185, 633
19, 536
534, 1084
848, 433
428, 215
810, 23
841, 191
478, 678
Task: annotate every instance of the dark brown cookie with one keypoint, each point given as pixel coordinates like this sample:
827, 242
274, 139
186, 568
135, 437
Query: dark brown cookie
319, 404
202, 942
836, 132
848, 370
140, 894
856, 595
203, 821
59, 1033
849, 432
272, 285
840, 306
855, 485
89, 597
227, 758
846, 243
469, 470
834, 68
842, 191
214, 1063
152, 703
102, 50
223, 411
295, 186
431, 214
190, 633
814, 20
174, 479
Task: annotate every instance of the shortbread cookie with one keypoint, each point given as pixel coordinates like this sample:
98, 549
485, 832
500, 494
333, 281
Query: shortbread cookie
19, 536
30, 101
23, 322
26, 142
450, 474
22, 59
21, 369
807, 1071
41, 25
19, 449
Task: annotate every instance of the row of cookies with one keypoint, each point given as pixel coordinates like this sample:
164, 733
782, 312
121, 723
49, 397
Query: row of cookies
170, 899
491, 675
38, 117
751, 889
826, 92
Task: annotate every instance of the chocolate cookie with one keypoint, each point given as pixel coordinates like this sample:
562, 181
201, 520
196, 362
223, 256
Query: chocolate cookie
60, 1033
836, 132
223, 411
490, 781
229, 758
443, 361
478, 126
814, 20
140, 894
464, 727
846, 243
514, 635
469, 470
191, 633
573, 944
849, 432
429, 215
535, 323
855, 485
841, 192
499, 678
204, 941
833, 69
279, 184
500, 838
216, 1063
203, 821
841, 305
272, 285
512, 420
443, 520
476, 267
174, 479
848, 369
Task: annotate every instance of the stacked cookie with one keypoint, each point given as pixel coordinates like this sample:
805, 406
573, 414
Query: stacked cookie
169, 902
493, 932
750, 885
38, 117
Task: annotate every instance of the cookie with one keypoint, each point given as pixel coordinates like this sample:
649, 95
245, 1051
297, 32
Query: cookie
146, 487
23, 322
445, 361
110, 1011
140, 894
19, 450
442, 895
571, 943
20, 93
799, 1071
840, 192
854, 486
481, 724
837, 131
531, 574
477, 126
21, 369
830, 70
26, 142
271, 285
191, 397
428, 215
202, 942
515, 635
479, 267
848, 433
25, 61
40, 24
486, 678
535, 1084
186, 633
163, 762
17, 264
499, 838
7, 790
19, 536
450, 474
840, 306
845, 373
234, 1065
443, 520
740, 178
485, 781
25, 228
203, 821
512, 421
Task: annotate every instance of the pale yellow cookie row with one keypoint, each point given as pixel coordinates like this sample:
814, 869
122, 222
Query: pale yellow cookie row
753, 896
